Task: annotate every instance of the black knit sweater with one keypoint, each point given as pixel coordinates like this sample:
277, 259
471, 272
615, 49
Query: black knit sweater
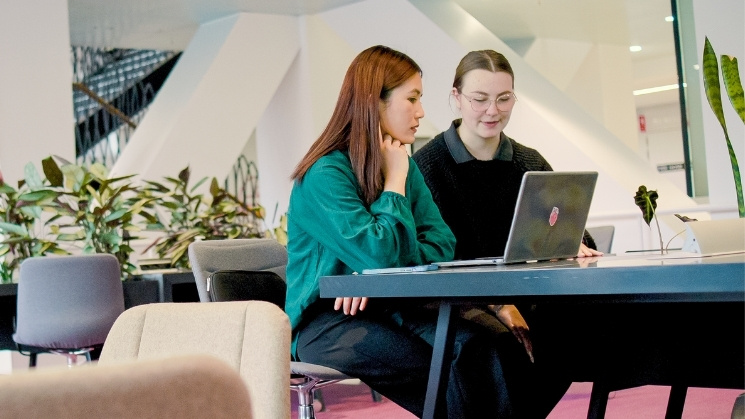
476, 198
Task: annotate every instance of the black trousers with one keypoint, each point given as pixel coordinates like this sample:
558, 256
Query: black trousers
390, 348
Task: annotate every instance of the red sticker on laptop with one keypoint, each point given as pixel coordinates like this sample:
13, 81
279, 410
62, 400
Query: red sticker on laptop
553, 217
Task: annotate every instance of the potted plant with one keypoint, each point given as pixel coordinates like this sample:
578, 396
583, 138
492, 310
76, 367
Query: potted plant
79, 206
93, 211
193, 216
646, 200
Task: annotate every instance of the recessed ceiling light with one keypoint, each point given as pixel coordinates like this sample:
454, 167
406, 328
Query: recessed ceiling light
656, 89
669, 18
635, 48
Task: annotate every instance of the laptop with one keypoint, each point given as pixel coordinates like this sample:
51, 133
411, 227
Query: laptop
549, 221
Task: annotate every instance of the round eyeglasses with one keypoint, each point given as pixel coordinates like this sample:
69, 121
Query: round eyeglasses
504, 103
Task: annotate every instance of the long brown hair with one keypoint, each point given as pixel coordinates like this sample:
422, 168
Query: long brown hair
487, 59
355, 123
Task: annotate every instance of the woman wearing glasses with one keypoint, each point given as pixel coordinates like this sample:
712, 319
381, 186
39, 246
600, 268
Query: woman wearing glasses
474, 171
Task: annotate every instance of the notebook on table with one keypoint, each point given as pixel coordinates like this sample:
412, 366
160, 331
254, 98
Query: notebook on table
549, 221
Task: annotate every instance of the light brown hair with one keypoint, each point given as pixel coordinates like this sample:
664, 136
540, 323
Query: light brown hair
487, 59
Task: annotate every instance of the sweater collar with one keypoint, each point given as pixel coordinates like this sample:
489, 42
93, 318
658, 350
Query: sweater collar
460, 153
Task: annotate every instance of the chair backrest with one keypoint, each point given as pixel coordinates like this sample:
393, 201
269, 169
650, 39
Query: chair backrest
228, 285
253, 337
67, 302
209, 256
603, 237
183, 387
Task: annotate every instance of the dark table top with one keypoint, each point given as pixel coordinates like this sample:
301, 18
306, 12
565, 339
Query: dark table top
623, 278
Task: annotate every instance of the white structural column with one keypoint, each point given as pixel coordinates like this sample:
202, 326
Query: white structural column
36, 117
214, 98
299, 111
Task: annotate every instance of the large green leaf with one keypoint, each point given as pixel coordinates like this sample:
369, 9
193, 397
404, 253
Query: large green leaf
184, 175
711, 83
6, 189
30, 211
732, 84
52, 172
158, 187
215, 188
71, 236
647, 202
33, 180
98, 170
115, 215
13, 229
74, 177
111, 238
38, 197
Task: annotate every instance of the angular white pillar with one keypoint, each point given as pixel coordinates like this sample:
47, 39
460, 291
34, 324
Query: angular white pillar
210, 104
36, 117
299, 111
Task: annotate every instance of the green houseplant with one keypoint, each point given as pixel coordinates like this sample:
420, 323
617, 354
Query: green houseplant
733, 87
75, 205
193, 216
646, 200
81, 207
92, 210
23, 232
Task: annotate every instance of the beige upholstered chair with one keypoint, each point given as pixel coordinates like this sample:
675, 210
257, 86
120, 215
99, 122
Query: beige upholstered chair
253, 337
173, 388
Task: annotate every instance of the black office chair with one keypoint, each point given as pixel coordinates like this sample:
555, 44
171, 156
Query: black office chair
254, 269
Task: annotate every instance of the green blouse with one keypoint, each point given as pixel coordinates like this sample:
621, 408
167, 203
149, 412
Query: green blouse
333, 232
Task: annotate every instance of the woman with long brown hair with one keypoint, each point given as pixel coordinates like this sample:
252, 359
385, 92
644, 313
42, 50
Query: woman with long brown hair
359, 202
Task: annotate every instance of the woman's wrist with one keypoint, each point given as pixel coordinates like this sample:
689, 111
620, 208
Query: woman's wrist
395, 185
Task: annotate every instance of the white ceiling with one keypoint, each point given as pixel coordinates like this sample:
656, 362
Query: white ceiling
169, 24
122, 23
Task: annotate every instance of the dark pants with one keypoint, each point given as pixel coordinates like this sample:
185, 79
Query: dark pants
390, 350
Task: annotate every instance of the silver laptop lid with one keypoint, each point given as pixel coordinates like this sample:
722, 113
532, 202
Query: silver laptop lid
550, 216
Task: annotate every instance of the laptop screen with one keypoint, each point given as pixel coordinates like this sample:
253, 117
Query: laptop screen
549, 220
550, 215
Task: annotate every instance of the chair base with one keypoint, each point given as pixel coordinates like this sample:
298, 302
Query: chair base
305, 388
71, 354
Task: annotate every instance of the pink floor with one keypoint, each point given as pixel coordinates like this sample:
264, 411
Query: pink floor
354, 401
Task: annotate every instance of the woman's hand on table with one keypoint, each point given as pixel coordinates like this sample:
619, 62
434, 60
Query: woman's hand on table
511, 317
585, 251
350, 305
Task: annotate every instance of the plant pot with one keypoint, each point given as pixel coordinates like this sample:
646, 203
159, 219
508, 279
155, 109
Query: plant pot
178, 287
7, 314
138, 291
